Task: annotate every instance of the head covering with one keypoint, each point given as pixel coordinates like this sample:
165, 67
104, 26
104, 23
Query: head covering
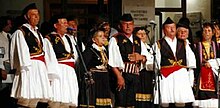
136, 29
183, 22
168, 21
54, 19
29, 7
126, 17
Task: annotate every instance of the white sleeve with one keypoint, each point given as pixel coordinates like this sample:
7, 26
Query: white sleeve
51, 60
115, 59
190, 57
157, 56
21, 51
149, 63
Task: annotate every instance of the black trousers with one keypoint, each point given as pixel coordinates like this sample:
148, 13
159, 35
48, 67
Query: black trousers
126, 97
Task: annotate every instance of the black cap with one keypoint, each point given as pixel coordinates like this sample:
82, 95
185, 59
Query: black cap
136, 29
126, 17
168, 21
54, 19
29, 7
183, 22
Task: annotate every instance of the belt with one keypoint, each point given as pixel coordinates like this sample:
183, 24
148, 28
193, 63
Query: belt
131, 68
41, 58
71, 64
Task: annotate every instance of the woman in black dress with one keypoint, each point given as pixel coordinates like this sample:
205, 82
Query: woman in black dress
96, 60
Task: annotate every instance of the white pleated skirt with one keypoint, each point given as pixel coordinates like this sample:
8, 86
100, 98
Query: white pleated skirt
32, 82
68, 85
175, 88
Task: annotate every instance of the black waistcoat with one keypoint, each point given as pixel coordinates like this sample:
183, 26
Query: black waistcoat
127, 47
59, 47
167, 57
35, 46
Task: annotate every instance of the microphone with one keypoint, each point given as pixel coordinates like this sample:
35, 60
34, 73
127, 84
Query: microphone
71, 31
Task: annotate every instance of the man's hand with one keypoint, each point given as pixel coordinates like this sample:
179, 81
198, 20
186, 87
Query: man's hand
136, 57
207, 65
121, 83
4, 74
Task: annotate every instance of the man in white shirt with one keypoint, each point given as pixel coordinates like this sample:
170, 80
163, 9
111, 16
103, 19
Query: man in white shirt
174, 57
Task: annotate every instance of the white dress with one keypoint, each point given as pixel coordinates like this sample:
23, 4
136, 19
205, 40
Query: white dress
177, 87
31, 77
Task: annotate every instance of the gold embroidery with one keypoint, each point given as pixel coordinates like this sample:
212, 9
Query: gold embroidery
103, 101
175, 62
124, 41
57, 39
136, 42
143, 97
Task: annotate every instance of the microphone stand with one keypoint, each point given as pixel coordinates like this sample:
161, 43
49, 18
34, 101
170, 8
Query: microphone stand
87, 75
157, 74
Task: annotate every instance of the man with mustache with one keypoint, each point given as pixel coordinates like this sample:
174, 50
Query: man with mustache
125, 58
173, 57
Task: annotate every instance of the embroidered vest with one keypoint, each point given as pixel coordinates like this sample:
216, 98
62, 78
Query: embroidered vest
35, 46
127, 47
167, 57
59, 47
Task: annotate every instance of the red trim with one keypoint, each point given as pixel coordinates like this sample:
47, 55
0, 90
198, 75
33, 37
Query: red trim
41, 58
166, 71
71, 64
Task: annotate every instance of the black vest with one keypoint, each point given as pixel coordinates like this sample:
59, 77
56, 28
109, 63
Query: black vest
35, 46
59, 47
167, 57
127, 47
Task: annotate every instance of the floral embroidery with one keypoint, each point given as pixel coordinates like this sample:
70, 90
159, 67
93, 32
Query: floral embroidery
136, 42
57, 40
125, 41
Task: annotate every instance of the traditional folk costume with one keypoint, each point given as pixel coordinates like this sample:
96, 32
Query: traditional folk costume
174, 57
119, 48
65, 89
96, 61
27, 55
206, 95
144, 94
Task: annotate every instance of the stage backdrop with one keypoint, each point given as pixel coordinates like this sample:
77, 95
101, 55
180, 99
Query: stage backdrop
142, 11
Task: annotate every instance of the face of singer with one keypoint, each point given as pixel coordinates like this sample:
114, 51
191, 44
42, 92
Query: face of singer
99, 38
61, 26
207, 33
72, 24
33, 17
142, 35
127, 27
170, 30
182, 33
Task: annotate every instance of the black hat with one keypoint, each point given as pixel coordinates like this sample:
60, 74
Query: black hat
168, 21
126, 17
183, 22
29, 7
136, 29
54, 19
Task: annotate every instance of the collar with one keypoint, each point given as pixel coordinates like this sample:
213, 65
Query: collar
169, 39
29, 26
97, 47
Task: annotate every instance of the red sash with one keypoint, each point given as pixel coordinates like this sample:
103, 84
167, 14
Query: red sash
41, 58
166, 71
207, 82
71, 64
